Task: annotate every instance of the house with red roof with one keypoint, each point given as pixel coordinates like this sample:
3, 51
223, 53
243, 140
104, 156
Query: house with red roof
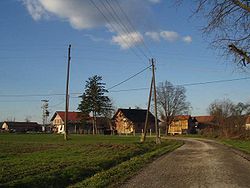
74, 121
76, 124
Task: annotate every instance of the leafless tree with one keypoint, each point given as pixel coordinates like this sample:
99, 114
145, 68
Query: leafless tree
27, 119
171, 102
230, 118
228, 25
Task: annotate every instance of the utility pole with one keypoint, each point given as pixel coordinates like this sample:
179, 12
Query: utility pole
45, 116
143, 138
67, 97
157, 139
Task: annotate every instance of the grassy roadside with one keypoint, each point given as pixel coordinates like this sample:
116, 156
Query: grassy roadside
243, 145
48, 161
118, 174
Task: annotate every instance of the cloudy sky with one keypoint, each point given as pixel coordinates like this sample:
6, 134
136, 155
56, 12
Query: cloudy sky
111, 38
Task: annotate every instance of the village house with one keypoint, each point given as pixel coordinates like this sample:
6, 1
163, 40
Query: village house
127, 121
247, 125
77, 125
23, 127
182, 124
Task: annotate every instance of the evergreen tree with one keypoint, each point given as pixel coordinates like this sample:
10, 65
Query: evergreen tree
94, 99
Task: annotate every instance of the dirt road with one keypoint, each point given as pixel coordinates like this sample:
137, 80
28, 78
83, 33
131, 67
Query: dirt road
198, 163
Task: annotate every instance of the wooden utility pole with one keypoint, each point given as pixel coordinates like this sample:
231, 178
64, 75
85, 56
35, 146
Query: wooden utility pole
157, 140
143, 138
67, 97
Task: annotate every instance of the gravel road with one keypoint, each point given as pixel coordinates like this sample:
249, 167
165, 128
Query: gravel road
198, 163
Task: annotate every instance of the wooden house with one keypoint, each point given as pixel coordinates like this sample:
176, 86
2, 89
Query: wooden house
127, 121
182, 124
21, 126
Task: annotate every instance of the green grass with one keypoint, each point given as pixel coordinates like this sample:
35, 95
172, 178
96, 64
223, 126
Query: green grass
243, 145
40, 160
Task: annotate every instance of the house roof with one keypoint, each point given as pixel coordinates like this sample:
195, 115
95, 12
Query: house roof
72, 116
12, 124
181, 117
204, 119
136, 115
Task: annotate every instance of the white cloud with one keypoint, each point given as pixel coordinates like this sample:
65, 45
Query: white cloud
154, 1
94, 38
187, 39
79, 14
35, 9
153, 35
128, 40
169, 35
82, 14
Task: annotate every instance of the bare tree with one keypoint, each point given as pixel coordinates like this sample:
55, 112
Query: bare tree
228, 25
171, 102
27, 119
230, 118
221, 109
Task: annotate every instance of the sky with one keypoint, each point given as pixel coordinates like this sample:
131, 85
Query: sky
114, 39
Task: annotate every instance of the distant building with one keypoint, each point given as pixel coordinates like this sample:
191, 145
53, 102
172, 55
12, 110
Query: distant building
182, 124
247, 123
21, 126
127, 121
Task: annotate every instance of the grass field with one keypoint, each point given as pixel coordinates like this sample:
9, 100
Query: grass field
33, 160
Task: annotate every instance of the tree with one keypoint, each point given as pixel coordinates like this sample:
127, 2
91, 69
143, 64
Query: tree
230, 118
242, 109
171, 102
94, 99
228, 24
221, 109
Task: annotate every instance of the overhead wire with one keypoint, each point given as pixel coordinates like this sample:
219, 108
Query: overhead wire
124, 28
131, 25
111, 25
122, 90
129, 78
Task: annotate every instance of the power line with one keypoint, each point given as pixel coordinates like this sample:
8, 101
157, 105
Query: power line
131, 25
215, 81
188, 84
122, 90
133, 89
125, 29
32, 95
105, 17
129, 78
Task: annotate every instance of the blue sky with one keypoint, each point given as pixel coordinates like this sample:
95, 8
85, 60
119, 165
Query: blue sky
35, 35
